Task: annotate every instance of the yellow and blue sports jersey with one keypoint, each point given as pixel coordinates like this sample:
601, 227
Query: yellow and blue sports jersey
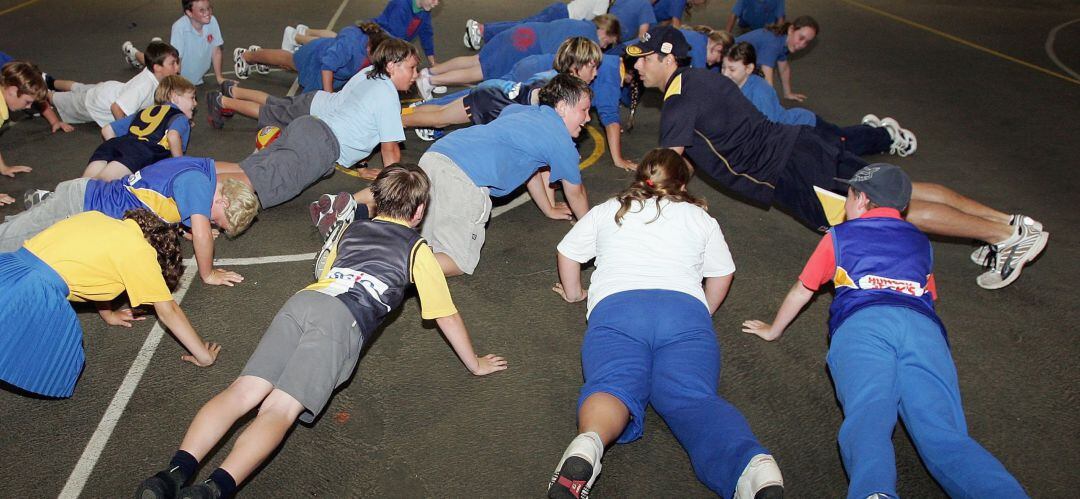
174, 189
151, 124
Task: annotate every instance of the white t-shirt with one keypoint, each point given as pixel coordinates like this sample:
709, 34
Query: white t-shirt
132, 96
673, 252
585, 10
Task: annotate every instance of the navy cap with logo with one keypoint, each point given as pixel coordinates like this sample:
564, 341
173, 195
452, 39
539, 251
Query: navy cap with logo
660, 40
886, 185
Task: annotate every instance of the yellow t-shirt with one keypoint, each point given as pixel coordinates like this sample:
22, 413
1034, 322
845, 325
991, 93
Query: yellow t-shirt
435, 301
3, 111
99, 257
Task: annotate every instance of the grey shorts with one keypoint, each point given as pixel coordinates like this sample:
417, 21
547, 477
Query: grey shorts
310, 348
280, 111
303, 154
71, 106
65, 201
457, 213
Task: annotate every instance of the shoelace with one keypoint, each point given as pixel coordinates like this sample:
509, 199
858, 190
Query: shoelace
990, 262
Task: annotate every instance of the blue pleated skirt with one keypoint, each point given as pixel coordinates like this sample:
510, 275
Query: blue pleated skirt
40, 337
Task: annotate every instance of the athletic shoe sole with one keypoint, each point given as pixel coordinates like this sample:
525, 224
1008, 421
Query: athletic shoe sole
1017, 266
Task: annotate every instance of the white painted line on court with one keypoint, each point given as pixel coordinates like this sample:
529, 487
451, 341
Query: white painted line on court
1050, 48
79, 476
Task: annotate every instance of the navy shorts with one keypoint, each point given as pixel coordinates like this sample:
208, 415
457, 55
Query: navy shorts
813, 163
131, 152
484, 104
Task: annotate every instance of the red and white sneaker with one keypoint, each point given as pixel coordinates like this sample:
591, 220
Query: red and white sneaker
578, 468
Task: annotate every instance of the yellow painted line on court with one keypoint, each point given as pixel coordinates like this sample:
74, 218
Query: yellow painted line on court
17, 7
598, 150
961, 41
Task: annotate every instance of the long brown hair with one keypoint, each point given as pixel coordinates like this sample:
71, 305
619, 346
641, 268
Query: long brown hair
799, 22
165, 239
662, 174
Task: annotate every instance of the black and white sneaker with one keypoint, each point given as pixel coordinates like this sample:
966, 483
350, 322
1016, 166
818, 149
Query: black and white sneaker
578, 468
34, 197
984, 254
1011, 256
165, 484
241, 68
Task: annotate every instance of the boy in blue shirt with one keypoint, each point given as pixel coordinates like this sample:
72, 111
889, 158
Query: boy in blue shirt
148, 135
408, 19
749, 15
888, 351
182, 190
197, 36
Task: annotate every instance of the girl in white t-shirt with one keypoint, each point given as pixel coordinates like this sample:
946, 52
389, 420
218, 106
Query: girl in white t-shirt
650, 337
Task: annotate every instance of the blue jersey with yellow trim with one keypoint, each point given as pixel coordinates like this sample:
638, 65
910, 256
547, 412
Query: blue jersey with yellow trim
174, 189
151, 123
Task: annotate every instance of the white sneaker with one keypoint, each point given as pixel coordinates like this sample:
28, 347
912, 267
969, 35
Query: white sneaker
894, 133
579, 466
908, 144
760, 475
1011, 256
301, 29
130, 58
425, 134
262, 69
424, 86
240, 66
288, 40
871, 120
474, 33
984, 255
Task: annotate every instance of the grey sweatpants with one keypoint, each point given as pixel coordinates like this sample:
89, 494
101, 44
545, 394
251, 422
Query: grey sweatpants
66, 201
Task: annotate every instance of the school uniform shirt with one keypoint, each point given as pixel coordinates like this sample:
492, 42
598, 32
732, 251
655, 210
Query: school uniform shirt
366, 114
764, 98
343, 55
4, 58
673, 251
503, 154
131, 96
403, 19
699, 47
99, 257
153, 123
4, 113
195, 48
668, 9
632, 14
498, 56
755, 14
606, 87
769, 47
724, 134
174, 189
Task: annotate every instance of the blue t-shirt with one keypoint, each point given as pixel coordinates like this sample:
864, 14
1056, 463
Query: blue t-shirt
179, 123
194, 47
174, 189
401, 21
755, 14
668, 9
520, 141
365, 113
770, 47
699, 48
763, 96
4, 58
607, 87
344, 55
632, 14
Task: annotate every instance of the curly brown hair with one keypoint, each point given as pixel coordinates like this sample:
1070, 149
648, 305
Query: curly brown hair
165, 239
662, 174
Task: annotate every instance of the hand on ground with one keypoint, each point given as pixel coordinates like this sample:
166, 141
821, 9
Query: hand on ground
218, 277
211, 347
123, 317
5, 199
762, 329
488, 364
60, 125
795, 97
570, 297
12, 170
561, 211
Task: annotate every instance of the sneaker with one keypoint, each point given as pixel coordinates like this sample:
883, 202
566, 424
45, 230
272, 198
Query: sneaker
35, 196
984, 254
871, 120
214, 115
130, 58
760, 479
474, 33
288, 40
424, 86
262, 69
163, 485
205, 490
908, 144
240, 66
301, 29
893, 128
334, 234
426, 134
332, 208
1011, 255
578, 468
227, 86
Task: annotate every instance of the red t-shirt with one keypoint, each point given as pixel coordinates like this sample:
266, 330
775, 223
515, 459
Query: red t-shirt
821, 267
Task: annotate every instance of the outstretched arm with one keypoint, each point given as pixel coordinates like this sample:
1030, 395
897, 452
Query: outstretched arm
203, 239
55, 123
576, 197
453, 327
785, 81
716, 289
543, 195
796, 299
203, 353
569, 285
614, 139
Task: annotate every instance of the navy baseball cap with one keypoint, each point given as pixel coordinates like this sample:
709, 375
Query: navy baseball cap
886, 185
660, 40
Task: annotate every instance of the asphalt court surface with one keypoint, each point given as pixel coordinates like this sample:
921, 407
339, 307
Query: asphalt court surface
414, 423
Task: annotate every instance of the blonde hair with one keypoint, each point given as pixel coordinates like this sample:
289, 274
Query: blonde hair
173, 84
400, 189
243, 206
576, 53
662, 174
610, 25
716, 35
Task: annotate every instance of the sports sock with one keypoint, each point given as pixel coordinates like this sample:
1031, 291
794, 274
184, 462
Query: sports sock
224, 481
185, 463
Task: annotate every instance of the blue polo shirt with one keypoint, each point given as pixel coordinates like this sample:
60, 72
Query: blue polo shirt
504, 154
632, 14
770, 47
402, 20
174, 189
364, 114
699, 47
764, 98
195, 47
755, 14
607, 86
668, 9
343, 55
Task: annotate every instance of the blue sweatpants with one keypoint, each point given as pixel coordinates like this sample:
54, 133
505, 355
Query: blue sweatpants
659, 347
552, 12
886, 359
